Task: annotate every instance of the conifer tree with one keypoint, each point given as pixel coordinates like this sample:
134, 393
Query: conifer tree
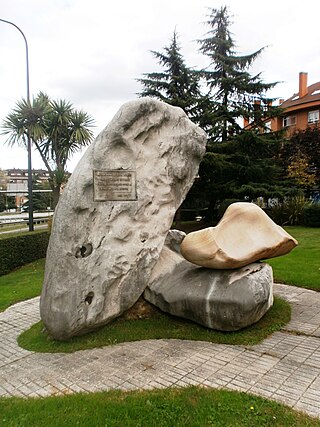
244, 168
236, 94
177, 84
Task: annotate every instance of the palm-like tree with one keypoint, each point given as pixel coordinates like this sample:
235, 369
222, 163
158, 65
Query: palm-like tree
57, 130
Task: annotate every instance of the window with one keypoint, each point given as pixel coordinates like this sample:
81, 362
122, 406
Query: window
289, 121
267, 127
313, 116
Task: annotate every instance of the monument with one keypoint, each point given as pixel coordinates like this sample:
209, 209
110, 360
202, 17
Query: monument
110, 241
114, 214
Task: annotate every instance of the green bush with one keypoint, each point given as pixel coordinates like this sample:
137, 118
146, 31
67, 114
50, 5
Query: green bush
21, 249
311, 215
290, 211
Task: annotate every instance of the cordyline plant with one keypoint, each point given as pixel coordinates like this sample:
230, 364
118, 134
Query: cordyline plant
56, 129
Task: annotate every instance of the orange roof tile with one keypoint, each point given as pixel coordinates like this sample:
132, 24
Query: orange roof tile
312, 95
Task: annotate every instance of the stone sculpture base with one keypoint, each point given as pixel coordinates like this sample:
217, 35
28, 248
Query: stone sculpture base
225, 300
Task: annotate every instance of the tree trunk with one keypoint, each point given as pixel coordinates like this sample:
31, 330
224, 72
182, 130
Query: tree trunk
55, 196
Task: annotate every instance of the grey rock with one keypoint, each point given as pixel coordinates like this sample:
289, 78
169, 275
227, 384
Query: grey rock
101, 253
174, 239
225, 300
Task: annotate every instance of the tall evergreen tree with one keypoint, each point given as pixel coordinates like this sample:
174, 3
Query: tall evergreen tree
244, 168
177, 84
235, 93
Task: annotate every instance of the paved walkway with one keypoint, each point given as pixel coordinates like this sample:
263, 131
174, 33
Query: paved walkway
285, 367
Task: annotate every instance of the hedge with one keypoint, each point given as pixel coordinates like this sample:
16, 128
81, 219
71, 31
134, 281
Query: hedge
21, 249
311, 215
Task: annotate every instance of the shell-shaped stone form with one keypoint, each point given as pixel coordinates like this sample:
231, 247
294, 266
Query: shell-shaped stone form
244, 235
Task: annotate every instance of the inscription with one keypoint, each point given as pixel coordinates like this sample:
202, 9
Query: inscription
114, 185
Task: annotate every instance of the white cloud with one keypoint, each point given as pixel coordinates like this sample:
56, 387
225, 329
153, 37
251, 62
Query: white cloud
91, 52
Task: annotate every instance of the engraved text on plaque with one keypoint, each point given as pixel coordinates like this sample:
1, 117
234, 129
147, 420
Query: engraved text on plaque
114, 185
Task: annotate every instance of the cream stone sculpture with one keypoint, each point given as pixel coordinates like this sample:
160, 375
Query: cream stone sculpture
244, 235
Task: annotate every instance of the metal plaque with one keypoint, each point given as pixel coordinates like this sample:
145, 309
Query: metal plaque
114, 185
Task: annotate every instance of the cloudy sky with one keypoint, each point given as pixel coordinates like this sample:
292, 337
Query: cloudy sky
91, 52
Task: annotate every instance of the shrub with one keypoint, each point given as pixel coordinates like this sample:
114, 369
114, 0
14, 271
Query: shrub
21, 249
290, 211
311, 215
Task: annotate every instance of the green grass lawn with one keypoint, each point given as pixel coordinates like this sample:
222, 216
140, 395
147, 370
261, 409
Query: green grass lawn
157, 325
187, 407
21, 284
301, 267
193, 406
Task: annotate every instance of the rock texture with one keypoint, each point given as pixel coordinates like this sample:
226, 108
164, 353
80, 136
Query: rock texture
101, 253
244, 235
226, 300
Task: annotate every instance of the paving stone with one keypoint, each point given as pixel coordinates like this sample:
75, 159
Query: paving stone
285, 367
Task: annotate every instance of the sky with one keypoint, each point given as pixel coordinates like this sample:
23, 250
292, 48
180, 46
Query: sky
91, 52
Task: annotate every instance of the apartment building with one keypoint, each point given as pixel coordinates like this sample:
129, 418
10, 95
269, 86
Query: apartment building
17, 183
301, 110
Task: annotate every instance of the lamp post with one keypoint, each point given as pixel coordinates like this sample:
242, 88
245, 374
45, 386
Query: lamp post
28, 137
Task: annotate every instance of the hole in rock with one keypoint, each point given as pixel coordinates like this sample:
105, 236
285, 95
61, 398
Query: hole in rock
89, 298
143, 237
84, 251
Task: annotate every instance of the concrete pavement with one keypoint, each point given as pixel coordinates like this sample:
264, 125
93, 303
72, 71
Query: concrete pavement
285, 367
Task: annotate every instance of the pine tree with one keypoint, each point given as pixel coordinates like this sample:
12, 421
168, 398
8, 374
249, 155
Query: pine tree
177, 84
235, 93
242, 169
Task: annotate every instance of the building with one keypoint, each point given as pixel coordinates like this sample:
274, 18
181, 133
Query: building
301, 110
17, 183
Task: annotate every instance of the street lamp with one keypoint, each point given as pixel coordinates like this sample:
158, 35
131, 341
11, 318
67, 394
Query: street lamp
28, 137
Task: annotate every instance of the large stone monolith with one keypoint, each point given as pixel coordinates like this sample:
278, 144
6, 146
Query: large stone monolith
114, 214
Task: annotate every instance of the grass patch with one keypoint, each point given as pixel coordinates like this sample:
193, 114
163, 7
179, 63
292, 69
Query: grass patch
13, 227
191, 406
301, 267
21, 284
157, 325
19, 228
19, 232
